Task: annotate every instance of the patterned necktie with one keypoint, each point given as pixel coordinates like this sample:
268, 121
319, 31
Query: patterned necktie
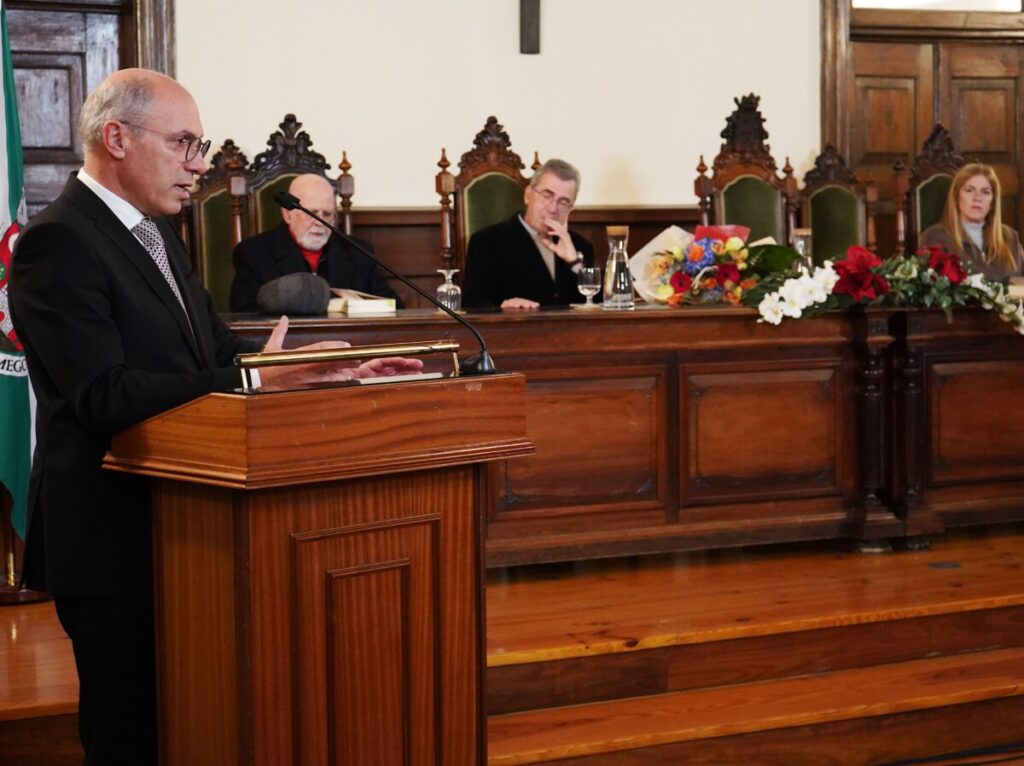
149, 235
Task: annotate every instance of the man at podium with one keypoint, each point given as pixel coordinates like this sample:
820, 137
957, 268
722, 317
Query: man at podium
117, 328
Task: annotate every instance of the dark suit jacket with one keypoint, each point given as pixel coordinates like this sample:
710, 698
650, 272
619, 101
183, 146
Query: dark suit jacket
937, 236
107, 345
273, 254
502, 262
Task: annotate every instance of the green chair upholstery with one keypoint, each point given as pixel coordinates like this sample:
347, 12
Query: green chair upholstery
921, 196
488, 189
267, 213
216, 243
490, 199
836, 222
752, 202
212, 219
930, 200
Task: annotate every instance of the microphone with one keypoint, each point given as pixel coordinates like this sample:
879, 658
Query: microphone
481, 364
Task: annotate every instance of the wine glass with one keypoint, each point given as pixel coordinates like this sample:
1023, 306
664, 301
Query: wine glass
449, 293
588, 280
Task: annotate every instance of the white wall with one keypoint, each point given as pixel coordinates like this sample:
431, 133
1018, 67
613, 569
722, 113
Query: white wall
629, 91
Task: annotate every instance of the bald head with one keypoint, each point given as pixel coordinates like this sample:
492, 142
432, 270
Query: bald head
137, 128
316, 193
125, 95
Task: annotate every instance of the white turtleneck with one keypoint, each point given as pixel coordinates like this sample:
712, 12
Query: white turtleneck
976, 231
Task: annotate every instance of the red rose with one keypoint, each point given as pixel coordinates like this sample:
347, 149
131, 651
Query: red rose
946, 265
681, 281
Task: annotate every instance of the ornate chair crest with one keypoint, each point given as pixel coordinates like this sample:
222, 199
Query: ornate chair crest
488, 189
921, 198
837, 206
745, 187
289, 154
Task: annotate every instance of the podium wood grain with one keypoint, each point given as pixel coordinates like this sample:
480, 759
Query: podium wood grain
319, 570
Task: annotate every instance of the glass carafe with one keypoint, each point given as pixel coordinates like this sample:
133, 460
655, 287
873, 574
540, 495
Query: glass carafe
449, 293
618, 282
802, 244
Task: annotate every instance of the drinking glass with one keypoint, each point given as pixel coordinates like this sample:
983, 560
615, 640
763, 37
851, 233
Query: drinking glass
449, 293
589, 282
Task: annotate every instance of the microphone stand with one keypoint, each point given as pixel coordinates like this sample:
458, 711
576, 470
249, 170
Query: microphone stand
481, 364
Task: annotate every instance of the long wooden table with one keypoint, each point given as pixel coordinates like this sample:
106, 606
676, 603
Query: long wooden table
672, 429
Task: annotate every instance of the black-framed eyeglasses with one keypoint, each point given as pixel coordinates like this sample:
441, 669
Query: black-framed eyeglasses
194, 145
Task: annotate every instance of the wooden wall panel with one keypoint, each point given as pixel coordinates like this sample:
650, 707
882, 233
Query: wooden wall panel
759, 433
970, 437
892, 89
982, 99
600, 436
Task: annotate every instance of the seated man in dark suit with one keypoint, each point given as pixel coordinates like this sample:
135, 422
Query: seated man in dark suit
301, 244
531, 259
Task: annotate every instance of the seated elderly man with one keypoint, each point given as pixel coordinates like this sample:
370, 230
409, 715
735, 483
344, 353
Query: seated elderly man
302, 245
531, 259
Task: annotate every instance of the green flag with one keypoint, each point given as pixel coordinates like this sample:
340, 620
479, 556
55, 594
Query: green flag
15, 408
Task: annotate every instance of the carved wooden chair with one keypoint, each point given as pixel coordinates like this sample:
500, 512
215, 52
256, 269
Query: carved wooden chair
837, 207
921, 197
488, 189
234, 200
745, 187
215, 219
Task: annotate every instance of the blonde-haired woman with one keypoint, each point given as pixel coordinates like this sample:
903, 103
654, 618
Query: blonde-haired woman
972, 225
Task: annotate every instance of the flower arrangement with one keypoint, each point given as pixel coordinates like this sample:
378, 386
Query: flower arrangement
712, 265
931, 277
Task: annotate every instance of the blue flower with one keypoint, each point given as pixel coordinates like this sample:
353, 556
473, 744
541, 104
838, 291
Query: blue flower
699, 256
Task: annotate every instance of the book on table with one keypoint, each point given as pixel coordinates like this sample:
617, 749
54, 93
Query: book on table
355, 303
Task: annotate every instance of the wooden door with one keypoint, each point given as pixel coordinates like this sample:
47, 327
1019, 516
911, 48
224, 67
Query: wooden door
892, 92
60, 51
980, 97
889, 75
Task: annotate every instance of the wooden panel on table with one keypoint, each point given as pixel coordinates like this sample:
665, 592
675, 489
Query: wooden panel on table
983, 105
971, 438
600, 435
752, 433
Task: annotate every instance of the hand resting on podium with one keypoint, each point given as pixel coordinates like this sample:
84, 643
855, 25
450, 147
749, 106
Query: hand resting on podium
328, 372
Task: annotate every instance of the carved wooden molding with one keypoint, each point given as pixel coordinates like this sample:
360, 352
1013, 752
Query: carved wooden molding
493, 148
289, 150
829, 167
938, 155
744, 151
835, 68
229, 160
154, 35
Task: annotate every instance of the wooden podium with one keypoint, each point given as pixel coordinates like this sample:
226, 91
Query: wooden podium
318, 570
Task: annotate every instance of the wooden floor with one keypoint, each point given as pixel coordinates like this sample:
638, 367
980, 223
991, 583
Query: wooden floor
807, 654
695, 658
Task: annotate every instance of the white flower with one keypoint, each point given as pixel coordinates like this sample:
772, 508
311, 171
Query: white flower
770, 309
826, 276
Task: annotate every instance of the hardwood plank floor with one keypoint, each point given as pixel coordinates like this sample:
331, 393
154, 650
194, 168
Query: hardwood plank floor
549, 612
37, 668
